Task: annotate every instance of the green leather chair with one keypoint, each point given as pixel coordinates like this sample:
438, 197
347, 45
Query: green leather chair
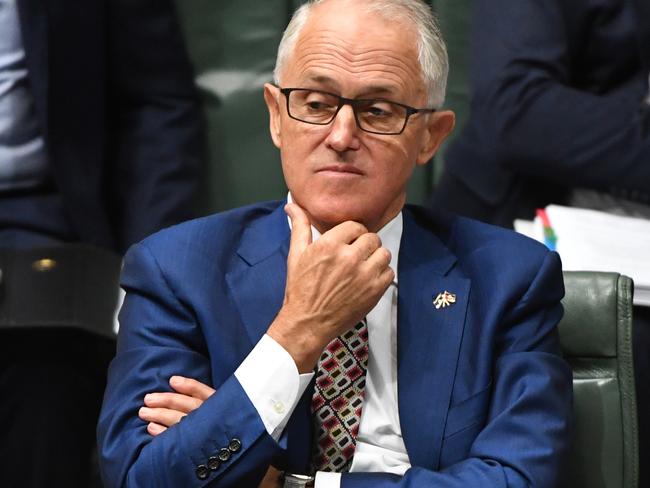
455, 18
596, 338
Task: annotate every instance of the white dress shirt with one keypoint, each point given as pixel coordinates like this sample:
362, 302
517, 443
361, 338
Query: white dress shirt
270, 378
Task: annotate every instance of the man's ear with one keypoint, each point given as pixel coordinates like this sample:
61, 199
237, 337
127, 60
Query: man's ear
439, 126
271, 97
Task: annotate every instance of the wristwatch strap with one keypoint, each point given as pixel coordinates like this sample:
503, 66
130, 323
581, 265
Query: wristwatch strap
292, 480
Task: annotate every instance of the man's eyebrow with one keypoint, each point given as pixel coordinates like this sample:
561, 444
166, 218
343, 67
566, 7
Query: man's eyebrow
325, 81
377, 90
372, 90
321, 79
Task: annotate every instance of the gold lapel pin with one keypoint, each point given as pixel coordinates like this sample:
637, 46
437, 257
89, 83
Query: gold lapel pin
444, 299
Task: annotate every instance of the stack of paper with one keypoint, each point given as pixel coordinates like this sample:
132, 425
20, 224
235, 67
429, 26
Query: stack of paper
590, 240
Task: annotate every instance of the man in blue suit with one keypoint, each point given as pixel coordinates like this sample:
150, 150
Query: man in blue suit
454, 373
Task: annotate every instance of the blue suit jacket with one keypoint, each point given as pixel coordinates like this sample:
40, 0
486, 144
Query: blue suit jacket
484, 397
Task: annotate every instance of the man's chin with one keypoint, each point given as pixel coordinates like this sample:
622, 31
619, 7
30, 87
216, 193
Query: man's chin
329, 209
326, 218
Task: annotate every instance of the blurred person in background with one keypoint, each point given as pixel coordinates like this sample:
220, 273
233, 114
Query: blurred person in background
101, 141
560, 113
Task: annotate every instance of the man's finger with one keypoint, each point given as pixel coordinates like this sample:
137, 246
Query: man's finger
387, 277
155, 429
191, 387
162, 416
379, 259
366, 245
175, 401
271, 478
346, 232
300, 230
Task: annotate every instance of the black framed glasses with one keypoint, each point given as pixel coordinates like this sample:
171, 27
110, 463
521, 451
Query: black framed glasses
374, 115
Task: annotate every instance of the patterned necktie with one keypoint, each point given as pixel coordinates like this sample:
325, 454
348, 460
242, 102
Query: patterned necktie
338, 398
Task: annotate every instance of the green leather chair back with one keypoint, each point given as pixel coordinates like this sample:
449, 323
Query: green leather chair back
455, 21
596, 338
232, 45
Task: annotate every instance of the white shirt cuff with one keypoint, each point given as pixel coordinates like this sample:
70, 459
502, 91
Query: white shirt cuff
327, 480
270, 378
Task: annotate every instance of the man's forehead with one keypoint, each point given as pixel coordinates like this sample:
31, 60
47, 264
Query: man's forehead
353, 17
363, 48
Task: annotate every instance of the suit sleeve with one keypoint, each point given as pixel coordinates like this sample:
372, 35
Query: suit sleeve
157, 135
531, 118
159, 337
527, 431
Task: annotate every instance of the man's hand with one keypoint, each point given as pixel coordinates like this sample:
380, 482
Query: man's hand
165, 409
331, 285
162, 410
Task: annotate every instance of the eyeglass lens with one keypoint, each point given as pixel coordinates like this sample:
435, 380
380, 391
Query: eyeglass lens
315, 107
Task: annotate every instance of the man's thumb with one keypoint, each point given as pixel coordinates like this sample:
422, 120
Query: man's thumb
300, 230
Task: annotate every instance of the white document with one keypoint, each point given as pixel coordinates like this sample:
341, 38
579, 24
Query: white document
589, 240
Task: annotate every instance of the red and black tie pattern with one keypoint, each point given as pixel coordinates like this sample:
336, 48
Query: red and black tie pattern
338, 399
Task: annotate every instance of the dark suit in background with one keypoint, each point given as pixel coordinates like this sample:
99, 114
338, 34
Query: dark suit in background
558, 93
559, 109
116, 106
115, 101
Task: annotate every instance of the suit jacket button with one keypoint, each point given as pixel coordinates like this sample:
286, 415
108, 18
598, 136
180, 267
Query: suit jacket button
224, 455
214, 463
235, 445
202, 471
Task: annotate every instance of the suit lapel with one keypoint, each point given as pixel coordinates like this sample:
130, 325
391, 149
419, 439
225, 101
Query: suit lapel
257, 283
257, 280
34, 30
428, 340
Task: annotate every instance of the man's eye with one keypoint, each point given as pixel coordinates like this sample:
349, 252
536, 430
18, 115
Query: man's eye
379, 111
315, 105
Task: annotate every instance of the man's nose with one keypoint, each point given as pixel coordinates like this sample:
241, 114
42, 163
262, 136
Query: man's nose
344, 133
